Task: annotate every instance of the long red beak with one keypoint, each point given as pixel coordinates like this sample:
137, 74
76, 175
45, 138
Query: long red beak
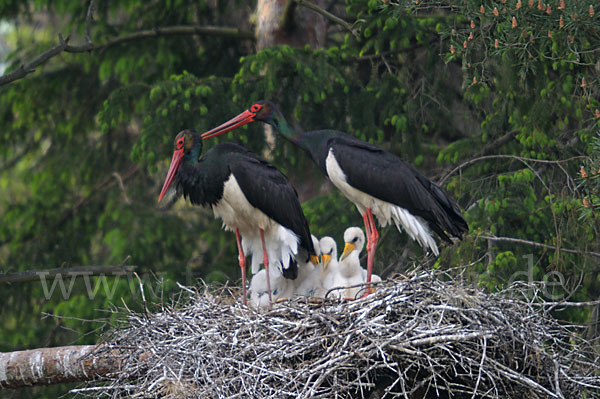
177, 156
240, 120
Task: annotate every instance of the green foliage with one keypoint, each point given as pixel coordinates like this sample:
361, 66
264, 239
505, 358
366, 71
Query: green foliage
507, 126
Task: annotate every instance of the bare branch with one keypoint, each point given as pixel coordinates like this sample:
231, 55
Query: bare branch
46, 366
178, 30
540, 245
76, 271
333, 18
504, 156
28, 68
88, 20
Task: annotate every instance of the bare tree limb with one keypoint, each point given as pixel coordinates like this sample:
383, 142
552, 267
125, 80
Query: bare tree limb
76, 271
63, 46
45, 366
504, 156
333, 18
177, 30
499, 142
540, 245
88, 20
28, 68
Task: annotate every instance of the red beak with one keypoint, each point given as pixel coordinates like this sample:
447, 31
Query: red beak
177, 157
240, 120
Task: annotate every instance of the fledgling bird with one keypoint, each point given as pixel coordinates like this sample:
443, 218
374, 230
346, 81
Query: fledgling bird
349, 271
280, 288
314, 284
306, 268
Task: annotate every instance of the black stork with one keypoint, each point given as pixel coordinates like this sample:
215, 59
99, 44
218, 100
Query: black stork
378, 182
251, 196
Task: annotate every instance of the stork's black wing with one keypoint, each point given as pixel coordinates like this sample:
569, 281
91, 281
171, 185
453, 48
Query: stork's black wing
387, 177
269, 190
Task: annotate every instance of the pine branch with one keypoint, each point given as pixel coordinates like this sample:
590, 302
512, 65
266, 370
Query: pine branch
76, 271
180, 30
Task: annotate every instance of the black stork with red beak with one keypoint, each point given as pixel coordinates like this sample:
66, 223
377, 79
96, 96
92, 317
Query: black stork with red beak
377, 182
251, 196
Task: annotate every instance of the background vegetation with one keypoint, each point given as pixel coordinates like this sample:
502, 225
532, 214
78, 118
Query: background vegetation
499, 101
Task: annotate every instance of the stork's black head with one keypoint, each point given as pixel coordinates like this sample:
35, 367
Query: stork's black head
191, 143
264, 111
188, 147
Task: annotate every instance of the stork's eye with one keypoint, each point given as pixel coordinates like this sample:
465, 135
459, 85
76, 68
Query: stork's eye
355, 239
255, 107
330, 251
180, 143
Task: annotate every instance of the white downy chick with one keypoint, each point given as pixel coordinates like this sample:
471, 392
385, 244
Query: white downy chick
349, 270
306, 267
281, 287
314, 284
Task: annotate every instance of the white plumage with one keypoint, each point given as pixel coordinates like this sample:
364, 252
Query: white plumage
313, 284
305, 268
385, 212
236, 211
280, 288
349, 271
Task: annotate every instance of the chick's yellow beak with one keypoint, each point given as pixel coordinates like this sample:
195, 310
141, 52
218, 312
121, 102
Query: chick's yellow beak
325, 258
348, 248
314, 259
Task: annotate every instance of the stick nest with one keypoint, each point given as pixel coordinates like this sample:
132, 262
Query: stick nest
419, 336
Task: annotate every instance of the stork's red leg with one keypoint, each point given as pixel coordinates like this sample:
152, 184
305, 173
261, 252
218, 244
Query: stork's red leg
266, 263
242, 260
372, 239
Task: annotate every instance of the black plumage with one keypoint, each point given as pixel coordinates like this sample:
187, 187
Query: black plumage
378, 182
388, 178
201, 180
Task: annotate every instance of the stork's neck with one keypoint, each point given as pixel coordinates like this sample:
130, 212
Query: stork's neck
289, 132
193, 157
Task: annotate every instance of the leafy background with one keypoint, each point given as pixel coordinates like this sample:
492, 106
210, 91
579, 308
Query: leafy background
497, 100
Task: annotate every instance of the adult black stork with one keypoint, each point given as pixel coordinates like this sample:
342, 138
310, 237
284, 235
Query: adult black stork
377, 182
251, 196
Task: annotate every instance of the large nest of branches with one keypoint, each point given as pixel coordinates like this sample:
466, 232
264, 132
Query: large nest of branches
419, 336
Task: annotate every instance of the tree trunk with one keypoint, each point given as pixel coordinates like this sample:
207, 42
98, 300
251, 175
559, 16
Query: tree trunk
283, 22
46, 366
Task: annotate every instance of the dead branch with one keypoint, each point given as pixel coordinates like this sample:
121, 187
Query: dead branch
63, 45
505, 156
333, 18
29, 67
47, 366
76, 271
540, 245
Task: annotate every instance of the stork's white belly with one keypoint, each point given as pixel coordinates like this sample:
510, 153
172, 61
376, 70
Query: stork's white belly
237, 213
385, 212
